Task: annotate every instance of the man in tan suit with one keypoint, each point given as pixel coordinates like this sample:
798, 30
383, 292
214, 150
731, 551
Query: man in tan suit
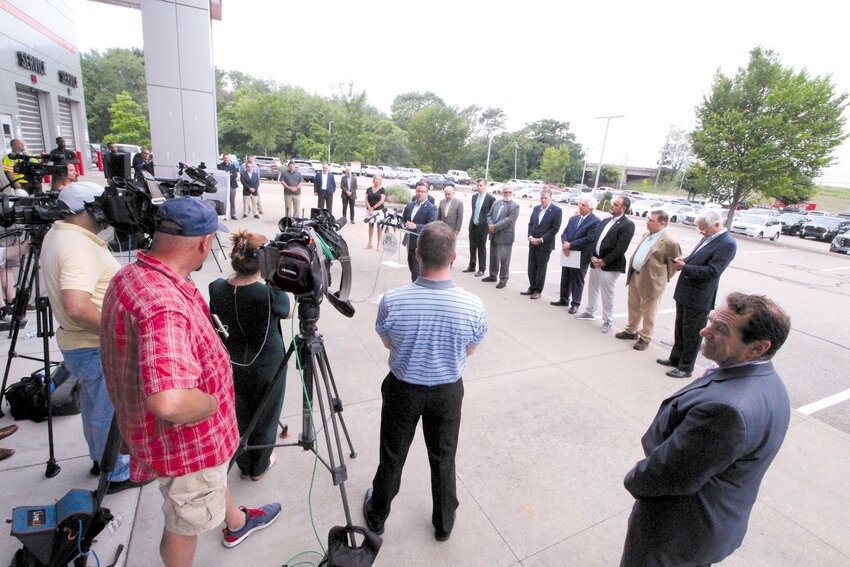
650, 268
451, 210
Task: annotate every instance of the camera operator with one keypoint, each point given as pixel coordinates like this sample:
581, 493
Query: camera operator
143, 161
77, 268
169, 375
10, 160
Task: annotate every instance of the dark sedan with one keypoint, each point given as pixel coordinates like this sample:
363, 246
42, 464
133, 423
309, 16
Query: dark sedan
436, 181
841, 244
791, 222
824, 228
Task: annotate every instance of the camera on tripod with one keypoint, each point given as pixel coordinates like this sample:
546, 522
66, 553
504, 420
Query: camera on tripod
33, 169
42, 209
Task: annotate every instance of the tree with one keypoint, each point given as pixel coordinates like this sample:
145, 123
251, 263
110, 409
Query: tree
354, 137
553, 167
263, 117
491, 120
105, 76
405, 106
765, 129
677, 151
129, 123
437, 134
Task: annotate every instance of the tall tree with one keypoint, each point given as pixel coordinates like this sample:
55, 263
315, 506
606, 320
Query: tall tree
677, 151
553, 167
105, 76
354, 137
437, 134
263, 117
765, 129
406, 105
129, 124
491, 120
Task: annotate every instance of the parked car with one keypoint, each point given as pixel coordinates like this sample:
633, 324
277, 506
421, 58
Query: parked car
458, 176
495, 188
643, 208
532, 193
561, 197
676, 212
387, 172
521, 190
824, 228
335, 168
841, 244
757, 226
370, 171
270, 167
305, 168
792, 222
436, 182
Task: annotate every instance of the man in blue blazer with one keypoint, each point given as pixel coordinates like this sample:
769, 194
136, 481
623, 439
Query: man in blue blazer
324, 186
543, 227
696, 291
711, 443
417, 214
608, 261
576, 238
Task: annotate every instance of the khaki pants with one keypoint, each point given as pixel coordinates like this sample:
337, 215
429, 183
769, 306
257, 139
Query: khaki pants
293, 205
641, 308
249, 205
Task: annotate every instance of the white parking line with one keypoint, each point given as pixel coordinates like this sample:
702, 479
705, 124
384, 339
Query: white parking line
768, 251
811, 408
390, 264
835, 269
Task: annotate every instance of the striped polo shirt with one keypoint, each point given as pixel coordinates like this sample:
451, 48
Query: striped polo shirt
429, 324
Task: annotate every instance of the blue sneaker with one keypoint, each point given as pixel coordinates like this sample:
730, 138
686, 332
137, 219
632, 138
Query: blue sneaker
256, 519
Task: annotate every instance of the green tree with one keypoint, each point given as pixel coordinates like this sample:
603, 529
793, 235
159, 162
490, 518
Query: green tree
262, 117
354, 137
437, 134
405, 106
105, 76
393, 148
553, 167
765, 129
129, 123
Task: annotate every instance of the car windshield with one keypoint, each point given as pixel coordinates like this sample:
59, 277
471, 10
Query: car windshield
752, 219
831, 222
790, 217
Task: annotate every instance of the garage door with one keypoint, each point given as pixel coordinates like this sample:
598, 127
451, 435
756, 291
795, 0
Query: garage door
66, 123
29, 112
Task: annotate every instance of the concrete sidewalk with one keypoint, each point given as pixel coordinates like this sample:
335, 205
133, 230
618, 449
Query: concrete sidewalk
553, 415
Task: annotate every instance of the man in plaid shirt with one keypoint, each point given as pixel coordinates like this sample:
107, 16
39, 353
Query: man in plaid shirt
170, 379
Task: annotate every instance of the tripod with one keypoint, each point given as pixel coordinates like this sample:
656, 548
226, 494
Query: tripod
314, 362
28, 278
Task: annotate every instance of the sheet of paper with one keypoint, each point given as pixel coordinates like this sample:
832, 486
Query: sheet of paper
571, 261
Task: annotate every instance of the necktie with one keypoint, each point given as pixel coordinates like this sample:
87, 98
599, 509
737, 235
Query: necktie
578, 224
478, 202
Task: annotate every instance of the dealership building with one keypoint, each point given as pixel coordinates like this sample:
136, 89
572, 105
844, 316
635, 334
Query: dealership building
41, 90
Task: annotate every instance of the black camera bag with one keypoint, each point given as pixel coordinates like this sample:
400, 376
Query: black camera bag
341, 554
27, 399
298, 269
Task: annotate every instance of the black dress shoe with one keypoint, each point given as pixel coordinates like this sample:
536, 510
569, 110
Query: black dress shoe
116, 487
479, 274
573, 309
490, 279
468, 270
500, 285
559, 303
95, 468
527, 292
676, 373
444, 535
377, 528
666, 362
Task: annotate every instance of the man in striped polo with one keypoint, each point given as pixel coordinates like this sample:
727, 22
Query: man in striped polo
430, 326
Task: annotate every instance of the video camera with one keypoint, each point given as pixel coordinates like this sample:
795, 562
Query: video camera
42, 209
293, 262
33, 169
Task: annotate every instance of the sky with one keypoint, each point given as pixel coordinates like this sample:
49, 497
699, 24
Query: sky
651, 62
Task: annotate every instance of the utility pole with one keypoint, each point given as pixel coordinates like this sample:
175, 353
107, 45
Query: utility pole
516, 149
584, 167
604, 139
329, 141
666, 144
487, 168
623, 177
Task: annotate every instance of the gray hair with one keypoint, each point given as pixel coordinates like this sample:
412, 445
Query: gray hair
591, 201
547, 192
708, 217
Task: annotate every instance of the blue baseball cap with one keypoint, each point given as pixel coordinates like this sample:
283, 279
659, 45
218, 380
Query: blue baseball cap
188, 216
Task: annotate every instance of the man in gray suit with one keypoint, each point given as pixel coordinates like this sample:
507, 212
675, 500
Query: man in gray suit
451, 210
349, 192
711, 443
501, 222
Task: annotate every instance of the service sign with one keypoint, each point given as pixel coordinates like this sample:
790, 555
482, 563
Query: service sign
31, 63
68, 79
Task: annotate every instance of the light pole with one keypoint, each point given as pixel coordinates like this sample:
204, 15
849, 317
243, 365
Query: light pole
666, 144
516, 149
584, 167
487, 167
604, 139
330, 124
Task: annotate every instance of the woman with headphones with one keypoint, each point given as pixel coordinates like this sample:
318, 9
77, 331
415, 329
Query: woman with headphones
250, 311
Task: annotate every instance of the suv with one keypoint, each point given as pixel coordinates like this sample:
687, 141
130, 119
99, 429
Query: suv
370, 171
305, 168
269, 167
387, 172
824, 228
458, 176
437, 182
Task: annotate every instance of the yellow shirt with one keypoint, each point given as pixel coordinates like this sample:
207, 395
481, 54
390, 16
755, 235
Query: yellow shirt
72, 258
9, 168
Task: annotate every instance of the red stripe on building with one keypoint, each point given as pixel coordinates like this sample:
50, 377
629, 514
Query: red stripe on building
36, 25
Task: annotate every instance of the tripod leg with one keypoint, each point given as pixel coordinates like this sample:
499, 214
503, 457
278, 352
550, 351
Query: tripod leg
44, 324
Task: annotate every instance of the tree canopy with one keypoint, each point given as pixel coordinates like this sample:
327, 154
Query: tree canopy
765, 130
105, 76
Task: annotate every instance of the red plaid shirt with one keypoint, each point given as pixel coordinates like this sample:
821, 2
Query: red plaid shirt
156, 335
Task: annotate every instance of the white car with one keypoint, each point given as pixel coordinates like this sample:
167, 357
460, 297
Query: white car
335, 168
643, 208
757, 226
676, 212
387, 172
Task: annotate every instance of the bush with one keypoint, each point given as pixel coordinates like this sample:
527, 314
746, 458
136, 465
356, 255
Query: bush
398, 195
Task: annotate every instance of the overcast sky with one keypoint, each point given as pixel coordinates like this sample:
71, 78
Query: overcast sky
650, 61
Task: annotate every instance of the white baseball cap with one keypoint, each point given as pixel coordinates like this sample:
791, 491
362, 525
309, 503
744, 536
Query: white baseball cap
78, 193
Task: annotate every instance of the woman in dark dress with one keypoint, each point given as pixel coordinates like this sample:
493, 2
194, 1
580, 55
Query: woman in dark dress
375, 197
251, 311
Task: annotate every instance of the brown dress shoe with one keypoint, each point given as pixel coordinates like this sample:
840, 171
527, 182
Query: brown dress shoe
8, 430
6, 453
625, 335
641, 344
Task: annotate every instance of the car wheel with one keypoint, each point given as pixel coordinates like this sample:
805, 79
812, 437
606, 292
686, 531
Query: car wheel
761, 235
775, 237
673, 219
644, 214
803, 236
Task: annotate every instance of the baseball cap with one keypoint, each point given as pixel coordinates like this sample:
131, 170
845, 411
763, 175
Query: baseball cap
75, 195
192, 217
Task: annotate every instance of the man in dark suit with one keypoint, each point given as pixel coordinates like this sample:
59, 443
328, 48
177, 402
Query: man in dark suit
482, 201
608, 261
417, 214
696, 291
543, 227
349, 191
324, 186
711, 443
501, 223
577, 238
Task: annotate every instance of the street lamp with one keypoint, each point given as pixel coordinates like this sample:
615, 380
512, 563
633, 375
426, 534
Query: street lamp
516, 149
604, 139
584, 167
487, 168
329, 141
